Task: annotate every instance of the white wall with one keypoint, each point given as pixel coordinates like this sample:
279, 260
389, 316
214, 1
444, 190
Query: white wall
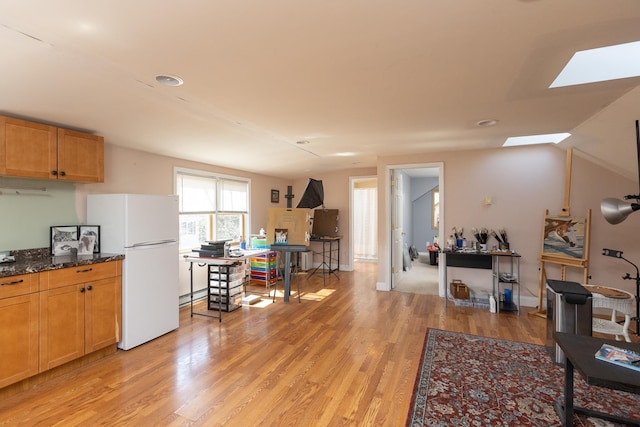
130, 171
336, 196
523, 182
422, 215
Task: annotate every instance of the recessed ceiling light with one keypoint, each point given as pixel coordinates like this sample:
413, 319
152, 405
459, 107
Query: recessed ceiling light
302, 142
168, 80
601, 64
535, 139
345, 154
485, 123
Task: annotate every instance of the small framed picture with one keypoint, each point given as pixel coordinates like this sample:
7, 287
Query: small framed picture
64, 238
275, 196
281, 237
89, 239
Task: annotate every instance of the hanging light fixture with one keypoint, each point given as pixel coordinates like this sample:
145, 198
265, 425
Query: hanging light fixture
614, 210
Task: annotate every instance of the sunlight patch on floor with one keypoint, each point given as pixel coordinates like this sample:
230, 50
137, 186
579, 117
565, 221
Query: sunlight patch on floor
264, 302
317, 296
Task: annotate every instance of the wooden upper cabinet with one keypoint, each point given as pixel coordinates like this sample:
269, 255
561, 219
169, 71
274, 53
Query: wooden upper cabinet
35, 150
27, 149
80, 156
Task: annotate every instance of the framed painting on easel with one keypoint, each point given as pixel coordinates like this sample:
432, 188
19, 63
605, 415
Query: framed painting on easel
565, 237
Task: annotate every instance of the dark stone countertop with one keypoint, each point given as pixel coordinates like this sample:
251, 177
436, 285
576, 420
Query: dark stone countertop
37, 260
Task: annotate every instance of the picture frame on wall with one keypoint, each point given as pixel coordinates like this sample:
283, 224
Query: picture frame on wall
89, 239
64, 238
275, 196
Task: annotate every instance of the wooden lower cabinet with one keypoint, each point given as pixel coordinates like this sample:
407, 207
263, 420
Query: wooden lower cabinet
61, 326
78, 319
102, 314
51, 318
18, 338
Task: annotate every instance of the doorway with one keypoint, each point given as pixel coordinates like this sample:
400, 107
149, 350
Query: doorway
416, 198
364, 219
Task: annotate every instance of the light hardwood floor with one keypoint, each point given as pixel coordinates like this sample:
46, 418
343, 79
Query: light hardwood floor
346, 355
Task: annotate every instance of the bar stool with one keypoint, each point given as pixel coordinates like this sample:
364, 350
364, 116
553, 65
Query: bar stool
616, 300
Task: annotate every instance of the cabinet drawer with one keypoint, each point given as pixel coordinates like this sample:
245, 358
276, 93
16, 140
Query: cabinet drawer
80, 274
12, 286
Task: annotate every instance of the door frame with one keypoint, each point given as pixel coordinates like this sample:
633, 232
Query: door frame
391, 207
397, 226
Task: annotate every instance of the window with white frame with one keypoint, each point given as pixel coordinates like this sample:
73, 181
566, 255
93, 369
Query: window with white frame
212, 207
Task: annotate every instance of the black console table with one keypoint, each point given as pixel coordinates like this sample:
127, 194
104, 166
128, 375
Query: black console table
487, 261
580, 353
480, 260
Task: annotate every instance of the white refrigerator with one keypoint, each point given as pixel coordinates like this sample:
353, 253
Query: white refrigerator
145, 229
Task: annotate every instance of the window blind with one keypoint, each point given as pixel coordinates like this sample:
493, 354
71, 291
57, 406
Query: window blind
233, 196
211, 194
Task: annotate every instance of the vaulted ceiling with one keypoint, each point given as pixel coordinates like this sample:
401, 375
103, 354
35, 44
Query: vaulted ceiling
371, 78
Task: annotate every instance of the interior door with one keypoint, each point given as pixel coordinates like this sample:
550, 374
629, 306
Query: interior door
397, 229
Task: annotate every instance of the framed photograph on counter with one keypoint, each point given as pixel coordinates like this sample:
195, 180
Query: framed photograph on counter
89, 239
64, 238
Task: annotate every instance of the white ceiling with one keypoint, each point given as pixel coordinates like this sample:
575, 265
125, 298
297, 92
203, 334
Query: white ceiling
372, 77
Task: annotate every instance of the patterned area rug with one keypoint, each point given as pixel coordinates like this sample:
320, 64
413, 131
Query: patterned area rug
466, 380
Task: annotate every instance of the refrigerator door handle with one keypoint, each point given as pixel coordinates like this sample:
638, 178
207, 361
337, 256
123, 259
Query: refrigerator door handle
154, 243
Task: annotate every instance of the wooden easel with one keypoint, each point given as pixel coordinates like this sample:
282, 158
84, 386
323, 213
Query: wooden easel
563, 262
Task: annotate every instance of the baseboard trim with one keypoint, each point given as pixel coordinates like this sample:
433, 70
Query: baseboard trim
197, 295
382, 286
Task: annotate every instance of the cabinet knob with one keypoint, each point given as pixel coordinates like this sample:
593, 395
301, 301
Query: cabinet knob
62, 173
54, 173
81, 289
89, 287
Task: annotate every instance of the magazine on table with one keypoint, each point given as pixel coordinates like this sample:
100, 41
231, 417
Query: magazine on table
619, 356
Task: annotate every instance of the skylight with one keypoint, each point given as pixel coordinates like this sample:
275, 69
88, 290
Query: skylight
554, 138
601, 64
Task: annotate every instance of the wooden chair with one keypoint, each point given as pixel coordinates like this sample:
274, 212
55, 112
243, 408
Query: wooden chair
619, 302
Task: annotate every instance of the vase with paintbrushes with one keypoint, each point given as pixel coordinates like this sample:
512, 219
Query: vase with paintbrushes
481, 235
501, 237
